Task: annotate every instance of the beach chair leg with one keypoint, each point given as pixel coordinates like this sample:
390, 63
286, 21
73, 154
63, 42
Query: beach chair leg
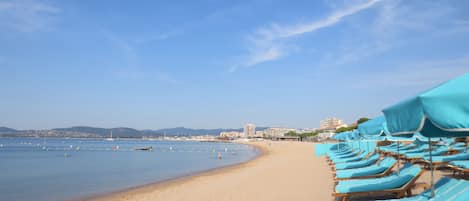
409, 192
344, 198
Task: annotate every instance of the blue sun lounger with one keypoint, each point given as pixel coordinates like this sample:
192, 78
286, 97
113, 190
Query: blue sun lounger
358, 157
348, 155
398, 184
418, 149
379, 169
445, 189
402, 149
420, 155
358, 164
445, 159
459, 166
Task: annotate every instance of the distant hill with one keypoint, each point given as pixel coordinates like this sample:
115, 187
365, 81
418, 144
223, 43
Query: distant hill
7, 130
123, 132
102, 132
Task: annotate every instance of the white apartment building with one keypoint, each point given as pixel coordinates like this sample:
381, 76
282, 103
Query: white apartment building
331, 123
277, 131
249, 130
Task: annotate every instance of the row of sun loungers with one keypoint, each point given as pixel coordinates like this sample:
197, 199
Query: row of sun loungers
361, 173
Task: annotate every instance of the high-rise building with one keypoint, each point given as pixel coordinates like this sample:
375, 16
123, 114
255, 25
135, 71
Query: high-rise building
249, 130
331, 123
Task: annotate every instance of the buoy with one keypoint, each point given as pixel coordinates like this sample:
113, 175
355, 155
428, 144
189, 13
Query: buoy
170, 148
219, 156
226, 149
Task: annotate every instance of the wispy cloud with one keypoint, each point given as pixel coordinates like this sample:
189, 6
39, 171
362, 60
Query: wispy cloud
271, 43
28, 15
396, 24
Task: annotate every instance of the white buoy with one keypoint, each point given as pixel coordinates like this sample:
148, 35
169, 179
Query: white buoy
170, 148
226, 149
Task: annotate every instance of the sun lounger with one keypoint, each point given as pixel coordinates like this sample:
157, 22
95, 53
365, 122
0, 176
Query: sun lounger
379, 169
439, 160
420, 155
445, 189
358, 157
396, 184
459, 166
357, 164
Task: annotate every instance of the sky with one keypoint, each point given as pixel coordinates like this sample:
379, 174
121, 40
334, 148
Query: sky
221, 64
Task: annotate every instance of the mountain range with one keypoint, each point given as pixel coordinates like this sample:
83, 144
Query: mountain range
123, 132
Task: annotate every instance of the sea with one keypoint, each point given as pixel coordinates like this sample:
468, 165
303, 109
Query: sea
56, 169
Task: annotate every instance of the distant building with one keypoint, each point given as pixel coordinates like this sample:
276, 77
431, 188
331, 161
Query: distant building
259, 134
277, 132
249, 130
306, 130
331, 124
230, 134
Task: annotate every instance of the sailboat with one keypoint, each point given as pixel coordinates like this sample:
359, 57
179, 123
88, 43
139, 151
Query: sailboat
110, 138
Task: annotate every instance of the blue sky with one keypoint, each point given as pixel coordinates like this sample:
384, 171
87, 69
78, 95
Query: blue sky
210, 64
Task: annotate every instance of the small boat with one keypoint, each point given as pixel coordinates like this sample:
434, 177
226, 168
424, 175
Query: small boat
110, 138
150, 148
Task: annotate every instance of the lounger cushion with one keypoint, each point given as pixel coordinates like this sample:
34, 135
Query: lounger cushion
366, 171
390, 182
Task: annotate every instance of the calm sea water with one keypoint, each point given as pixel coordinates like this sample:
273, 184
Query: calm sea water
65, 169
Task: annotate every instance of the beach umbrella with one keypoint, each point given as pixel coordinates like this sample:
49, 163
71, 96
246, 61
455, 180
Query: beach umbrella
442, 111
374, 128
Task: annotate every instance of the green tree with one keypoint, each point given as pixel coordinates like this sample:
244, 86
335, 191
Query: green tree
291, 133
362, 120
344, 129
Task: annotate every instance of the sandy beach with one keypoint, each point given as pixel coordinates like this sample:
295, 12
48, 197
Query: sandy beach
285, 171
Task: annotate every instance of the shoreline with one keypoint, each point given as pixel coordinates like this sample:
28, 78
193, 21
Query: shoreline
262, 152
284, 171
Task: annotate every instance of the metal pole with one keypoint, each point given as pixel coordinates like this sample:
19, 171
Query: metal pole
398, 162
431, 168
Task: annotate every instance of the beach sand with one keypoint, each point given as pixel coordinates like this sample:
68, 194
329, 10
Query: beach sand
285, 171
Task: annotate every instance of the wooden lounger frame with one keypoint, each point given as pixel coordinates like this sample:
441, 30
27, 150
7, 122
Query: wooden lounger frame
400, 192
458, 169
